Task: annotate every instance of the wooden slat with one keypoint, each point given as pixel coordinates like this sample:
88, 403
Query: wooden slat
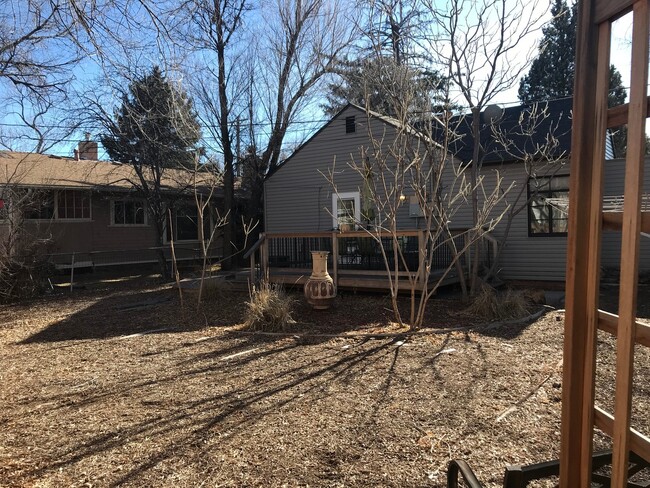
576, 439
608, 322
354, 233
617, 116
592, 288
611, 9
335, 258
630, 242
614, 221
639, 443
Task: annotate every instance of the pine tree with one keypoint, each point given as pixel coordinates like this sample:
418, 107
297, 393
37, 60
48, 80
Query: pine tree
155, 125
155, 128
379, 84
551, 74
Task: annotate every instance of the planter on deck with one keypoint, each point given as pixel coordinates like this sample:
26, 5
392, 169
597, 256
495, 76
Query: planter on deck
320, 290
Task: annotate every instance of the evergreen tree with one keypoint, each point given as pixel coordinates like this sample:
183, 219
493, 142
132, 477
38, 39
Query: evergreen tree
380, 84
552, 73
155, 125
155, 128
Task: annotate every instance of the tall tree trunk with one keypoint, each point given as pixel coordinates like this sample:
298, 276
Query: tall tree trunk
476, 152
228, 156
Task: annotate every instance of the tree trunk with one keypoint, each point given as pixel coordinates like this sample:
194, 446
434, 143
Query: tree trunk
476, 151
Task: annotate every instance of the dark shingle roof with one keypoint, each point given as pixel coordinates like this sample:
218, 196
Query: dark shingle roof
520, 131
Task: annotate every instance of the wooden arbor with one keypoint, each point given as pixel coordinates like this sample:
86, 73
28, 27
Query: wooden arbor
591, 118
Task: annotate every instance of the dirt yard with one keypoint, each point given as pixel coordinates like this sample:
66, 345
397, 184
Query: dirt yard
120, 386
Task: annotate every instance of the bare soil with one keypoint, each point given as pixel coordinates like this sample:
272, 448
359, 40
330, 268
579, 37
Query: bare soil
121, 386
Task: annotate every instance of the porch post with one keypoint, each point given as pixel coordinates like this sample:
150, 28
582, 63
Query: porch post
264, 259
335, 258
422, 253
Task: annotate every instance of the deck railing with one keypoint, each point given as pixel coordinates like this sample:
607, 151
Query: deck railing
357, 251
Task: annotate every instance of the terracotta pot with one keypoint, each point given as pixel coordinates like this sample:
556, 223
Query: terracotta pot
320, 290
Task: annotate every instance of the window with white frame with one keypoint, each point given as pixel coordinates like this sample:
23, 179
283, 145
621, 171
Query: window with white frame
346, 210
128, 212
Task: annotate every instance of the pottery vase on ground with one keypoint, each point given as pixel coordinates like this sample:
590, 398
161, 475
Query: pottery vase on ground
320, 290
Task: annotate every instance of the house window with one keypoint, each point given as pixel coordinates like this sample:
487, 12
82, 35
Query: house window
350, 125
73, 204
346, 210
185, 224
39, 205
128, 212
547, 215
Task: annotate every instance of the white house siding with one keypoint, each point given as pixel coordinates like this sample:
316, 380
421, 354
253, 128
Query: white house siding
298, 198
543, 258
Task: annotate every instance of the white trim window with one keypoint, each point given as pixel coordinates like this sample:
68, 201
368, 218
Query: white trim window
346, 210
128, 213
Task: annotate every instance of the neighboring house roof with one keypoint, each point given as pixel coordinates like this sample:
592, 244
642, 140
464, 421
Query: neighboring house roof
46, 171
519, 131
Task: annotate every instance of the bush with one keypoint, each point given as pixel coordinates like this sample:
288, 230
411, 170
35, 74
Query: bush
269, 309
23, 277
511, 304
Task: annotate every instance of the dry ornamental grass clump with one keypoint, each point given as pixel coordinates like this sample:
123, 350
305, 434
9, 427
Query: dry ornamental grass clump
269, 309
511, 304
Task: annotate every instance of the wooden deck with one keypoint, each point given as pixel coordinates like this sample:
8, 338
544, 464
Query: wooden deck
356, 260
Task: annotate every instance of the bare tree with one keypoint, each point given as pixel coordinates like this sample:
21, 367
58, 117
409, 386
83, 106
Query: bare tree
534, 143
23, 244
251, 82
401, 164
40, 120
479, 45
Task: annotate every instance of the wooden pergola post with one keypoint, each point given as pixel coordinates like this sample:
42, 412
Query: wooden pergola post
591, 118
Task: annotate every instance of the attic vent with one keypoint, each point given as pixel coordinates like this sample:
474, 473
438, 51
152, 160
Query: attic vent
350, 125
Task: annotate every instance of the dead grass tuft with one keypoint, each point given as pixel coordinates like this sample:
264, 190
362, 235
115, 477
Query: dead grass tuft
490, 305
269, 309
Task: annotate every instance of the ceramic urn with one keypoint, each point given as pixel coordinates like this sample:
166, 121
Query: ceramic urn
320, 290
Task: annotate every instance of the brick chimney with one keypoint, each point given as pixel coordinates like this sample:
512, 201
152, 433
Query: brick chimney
87, 149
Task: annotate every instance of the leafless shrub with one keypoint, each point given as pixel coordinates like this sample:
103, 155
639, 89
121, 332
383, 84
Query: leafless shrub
24, 276
491, 305
269, 309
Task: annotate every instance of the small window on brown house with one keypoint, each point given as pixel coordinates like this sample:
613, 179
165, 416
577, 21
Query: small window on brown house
350, 125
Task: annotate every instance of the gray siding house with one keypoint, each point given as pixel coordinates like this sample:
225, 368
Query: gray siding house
299, 199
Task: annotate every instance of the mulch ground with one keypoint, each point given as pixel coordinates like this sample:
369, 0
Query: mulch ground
120, 386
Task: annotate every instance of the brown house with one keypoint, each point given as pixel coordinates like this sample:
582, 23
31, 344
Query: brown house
89, 212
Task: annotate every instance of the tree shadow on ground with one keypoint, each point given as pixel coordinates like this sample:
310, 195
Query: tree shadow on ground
121, 314
191, 420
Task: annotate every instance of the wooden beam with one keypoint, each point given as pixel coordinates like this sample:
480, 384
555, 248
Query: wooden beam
335, 258
630, 242
608, 322
592, 288
579, 351
617, 116
611, 9
614, 221
639, 443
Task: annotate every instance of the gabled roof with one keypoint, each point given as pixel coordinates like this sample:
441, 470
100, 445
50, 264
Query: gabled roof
526, 128
384, 118
46, 171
